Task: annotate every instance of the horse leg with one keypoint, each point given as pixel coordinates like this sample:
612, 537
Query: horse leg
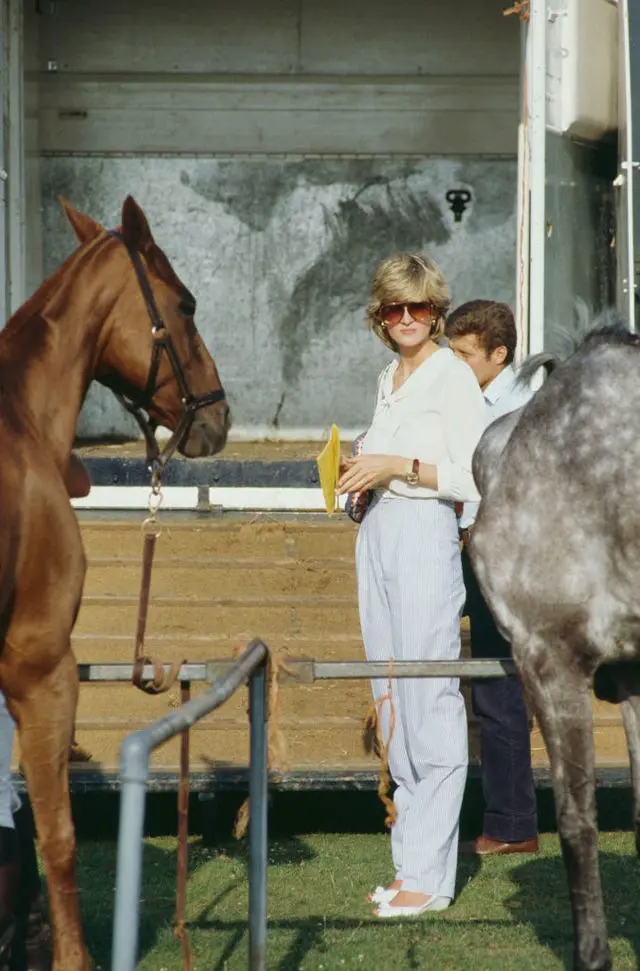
630, 708
619, 684
44, 713
561, 696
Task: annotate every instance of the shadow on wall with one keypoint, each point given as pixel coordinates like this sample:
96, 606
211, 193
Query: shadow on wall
381, 217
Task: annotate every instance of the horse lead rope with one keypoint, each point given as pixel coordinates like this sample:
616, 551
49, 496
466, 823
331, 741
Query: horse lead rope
161, 680
373, 722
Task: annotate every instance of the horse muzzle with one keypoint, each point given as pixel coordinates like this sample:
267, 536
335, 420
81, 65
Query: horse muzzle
208, 432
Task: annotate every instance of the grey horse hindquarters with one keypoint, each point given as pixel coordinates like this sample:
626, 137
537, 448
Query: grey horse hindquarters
556, 549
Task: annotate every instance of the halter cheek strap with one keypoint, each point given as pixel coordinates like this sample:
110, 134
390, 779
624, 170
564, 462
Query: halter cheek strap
161, 342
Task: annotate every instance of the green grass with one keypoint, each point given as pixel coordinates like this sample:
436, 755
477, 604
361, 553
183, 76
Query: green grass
511, 912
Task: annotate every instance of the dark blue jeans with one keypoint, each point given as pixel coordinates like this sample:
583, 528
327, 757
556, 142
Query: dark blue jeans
505, 747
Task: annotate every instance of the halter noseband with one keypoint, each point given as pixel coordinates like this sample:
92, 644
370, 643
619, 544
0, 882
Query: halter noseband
162, 341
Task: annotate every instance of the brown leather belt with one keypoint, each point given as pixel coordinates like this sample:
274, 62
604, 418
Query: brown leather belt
465, 534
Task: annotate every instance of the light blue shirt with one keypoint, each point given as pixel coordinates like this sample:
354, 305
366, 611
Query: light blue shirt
503, 395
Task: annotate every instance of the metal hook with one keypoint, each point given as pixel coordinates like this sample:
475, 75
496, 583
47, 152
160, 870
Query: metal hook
458, 200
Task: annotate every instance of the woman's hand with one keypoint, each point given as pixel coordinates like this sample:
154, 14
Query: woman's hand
369, 471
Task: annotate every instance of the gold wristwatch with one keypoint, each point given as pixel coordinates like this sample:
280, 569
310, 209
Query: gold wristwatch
413, 472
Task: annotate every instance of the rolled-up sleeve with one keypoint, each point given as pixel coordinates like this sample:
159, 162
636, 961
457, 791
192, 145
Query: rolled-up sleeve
463, 419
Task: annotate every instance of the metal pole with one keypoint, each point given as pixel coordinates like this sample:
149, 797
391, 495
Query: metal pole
625, 213
182, 870
304, 671
5, 305
134, 771
15, 155
522, 210
630, 10
134, 762
537, 135
333, 670
258, 713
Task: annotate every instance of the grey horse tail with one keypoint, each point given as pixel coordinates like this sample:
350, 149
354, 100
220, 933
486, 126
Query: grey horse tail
546, 360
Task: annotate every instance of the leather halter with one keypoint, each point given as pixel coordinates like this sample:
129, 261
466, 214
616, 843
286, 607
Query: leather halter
162, 341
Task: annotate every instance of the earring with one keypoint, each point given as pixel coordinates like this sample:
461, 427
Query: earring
383, 324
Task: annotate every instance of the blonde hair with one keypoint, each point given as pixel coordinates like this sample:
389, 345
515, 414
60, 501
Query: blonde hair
408, 278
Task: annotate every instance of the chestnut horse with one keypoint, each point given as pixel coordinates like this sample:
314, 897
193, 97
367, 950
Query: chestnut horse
115, 311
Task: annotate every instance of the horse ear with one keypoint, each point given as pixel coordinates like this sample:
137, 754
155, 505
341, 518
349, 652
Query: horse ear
135, 228
84, 226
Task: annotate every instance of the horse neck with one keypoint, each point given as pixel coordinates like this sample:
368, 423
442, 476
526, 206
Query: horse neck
49, 350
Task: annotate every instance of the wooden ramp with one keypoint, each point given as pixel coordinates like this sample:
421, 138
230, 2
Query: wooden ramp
217, 583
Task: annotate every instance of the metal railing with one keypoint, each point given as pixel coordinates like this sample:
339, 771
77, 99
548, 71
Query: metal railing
134, 772
306, 671
226, 677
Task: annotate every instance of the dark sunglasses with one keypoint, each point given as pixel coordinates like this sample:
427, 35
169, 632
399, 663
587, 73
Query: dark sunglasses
392, 313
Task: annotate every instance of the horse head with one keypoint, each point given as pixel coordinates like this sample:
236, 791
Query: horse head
150, 352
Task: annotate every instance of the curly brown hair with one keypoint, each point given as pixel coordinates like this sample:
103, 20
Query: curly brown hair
410, 278
492, 323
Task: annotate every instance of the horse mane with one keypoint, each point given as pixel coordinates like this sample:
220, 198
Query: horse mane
616, 332
606, 328
585, 326
532, 364
25, 336
32, 306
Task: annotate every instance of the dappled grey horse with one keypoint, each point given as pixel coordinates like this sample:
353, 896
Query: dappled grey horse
556, 547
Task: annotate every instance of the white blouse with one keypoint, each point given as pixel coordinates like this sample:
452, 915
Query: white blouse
436, 416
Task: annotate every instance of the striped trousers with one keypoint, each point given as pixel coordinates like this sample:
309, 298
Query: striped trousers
410, 594
9, 799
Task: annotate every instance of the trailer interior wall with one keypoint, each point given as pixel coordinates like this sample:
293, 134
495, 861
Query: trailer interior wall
33, 173
280, 150
12, 165
581, 165
580, 265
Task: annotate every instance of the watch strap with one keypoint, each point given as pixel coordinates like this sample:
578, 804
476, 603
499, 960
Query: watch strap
414, 472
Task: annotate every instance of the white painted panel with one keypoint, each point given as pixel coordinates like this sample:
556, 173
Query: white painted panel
582, 43
456, 115
624, 181
186, 497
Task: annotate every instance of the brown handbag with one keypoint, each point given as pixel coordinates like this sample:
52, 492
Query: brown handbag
358, 503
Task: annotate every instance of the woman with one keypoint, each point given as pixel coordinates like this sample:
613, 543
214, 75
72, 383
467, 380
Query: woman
417, 454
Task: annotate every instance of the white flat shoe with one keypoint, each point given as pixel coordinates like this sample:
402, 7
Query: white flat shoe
434, 903
381, 895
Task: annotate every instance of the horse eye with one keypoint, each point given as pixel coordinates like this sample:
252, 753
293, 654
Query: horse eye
187, 306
